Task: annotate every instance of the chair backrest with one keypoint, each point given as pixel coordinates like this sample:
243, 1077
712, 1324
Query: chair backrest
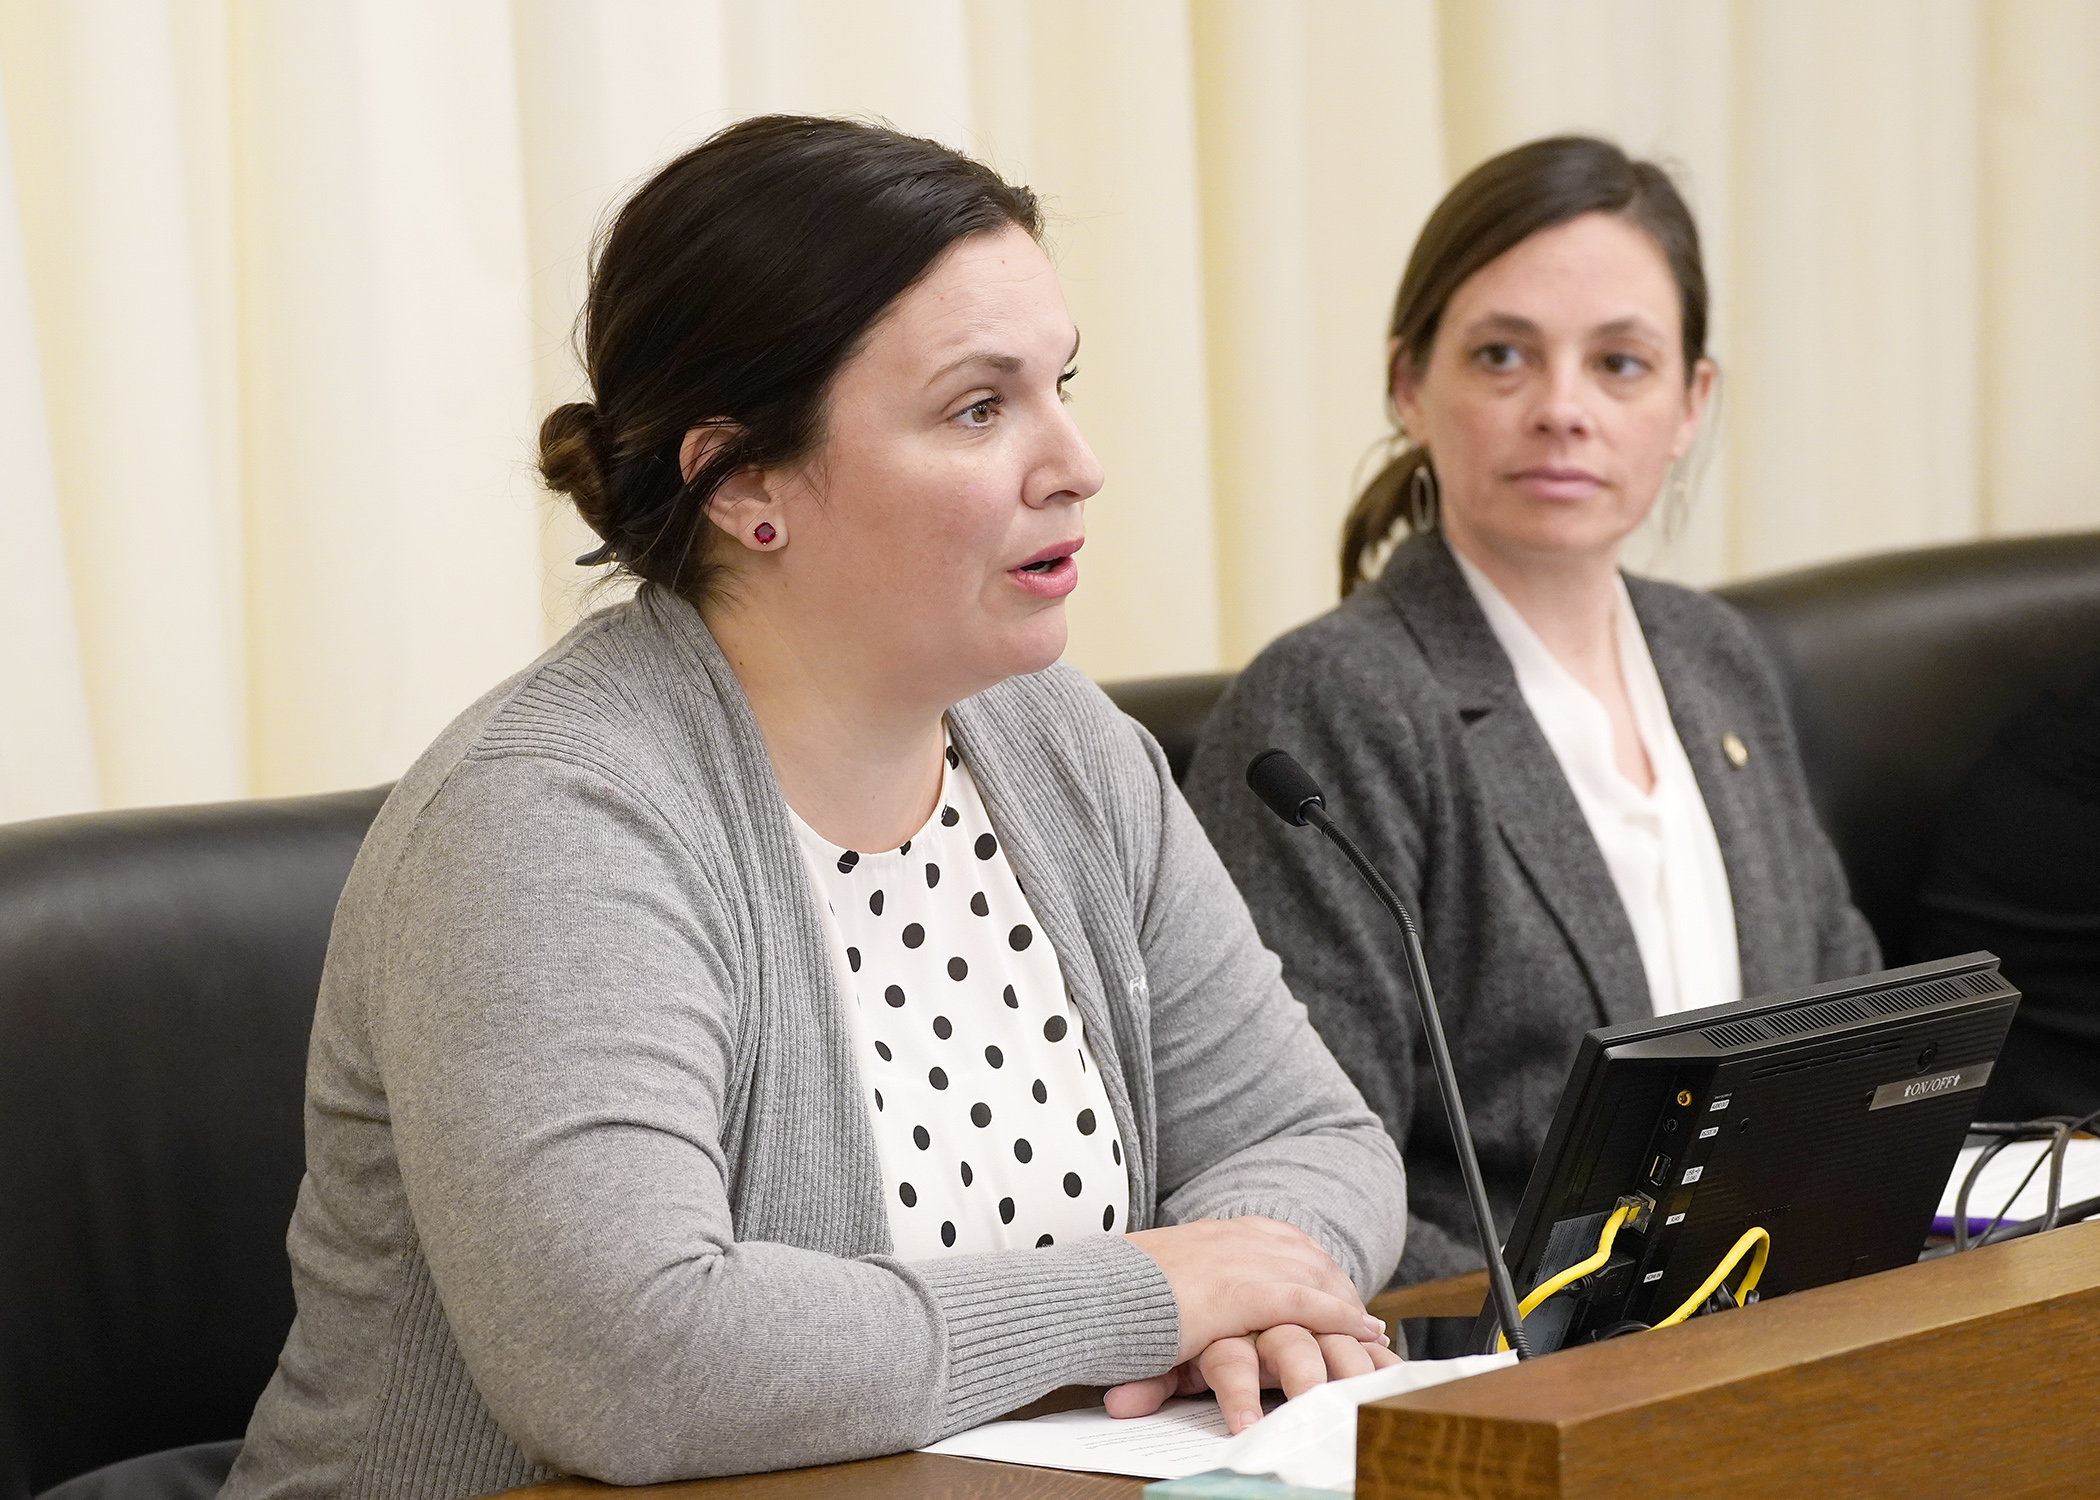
1172, 709
157, 979
1899, 670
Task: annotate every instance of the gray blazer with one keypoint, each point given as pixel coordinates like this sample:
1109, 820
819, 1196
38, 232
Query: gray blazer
591, 1186
1403, 705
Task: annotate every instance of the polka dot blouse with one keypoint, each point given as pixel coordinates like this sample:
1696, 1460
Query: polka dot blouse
990, 1121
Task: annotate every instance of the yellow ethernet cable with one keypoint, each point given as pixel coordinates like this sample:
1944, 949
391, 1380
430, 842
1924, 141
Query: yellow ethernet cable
1576, 1272
1751, 1237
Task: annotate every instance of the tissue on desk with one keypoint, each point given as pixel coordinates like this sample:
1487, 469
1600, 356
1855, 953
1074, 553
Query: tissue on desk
1310, 1441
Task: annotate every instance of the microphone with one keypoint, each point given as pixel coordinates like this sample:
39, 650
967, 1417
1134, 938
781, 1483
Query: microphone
1290, 792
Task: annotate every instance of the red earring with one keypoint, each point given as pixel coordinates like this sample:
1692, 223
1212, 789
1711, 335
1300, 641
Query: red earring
764, 533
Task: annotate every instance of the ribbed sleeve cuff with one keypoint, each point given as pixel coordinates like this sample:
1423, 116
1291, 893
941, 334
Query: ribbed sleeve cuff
1098, 1311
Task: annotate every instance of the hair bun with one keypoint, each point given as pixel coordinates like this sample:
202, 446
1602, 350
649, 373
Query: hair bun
573, 462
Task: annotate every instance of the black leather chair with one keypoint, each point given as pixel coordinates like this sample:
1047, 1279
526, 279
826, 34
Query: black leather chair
157, 981
1899, 670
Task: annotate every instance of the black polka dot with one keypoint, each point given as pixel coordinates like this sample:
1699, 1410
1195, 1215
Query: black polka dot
1023, 1152
920, 1138
1012, 1001
950, 817
1082, 1058
1108, 1218
1072, 1184
909, 1194
942, 1028
980, 906
933, 875
1086, 1122
878, 1098
882, 1050
905, 847
953, 758
1019, 938
914, 935
987, 846
894, 994
957, 969
980, 1115
1054, 1028
875, 903
853, 959
1006, 1210
968, 1175
947, 1232
937, 1078
995, 1057
847, 861
1042, 1095
1115, 1149
1045, 1240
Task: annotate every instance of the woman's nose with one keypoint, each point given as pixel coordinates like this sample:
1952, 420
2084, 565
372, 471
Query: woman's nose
1072, 472
1563, 410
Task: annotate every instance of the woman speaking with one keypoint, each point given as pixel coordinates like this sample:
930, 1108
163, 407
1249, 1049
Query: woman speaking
794, 1019
1584, 782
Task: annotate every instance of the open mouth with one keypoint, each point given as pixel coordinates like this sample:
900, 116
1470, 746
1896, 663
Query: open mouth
1051, 573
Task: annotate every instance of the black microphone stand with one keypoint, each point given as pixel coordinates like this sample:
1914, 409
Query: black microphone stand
1295, 797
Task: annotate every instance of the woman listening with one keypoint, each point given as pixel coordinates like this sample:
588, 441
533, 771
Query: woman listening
1585, 782
795, 1019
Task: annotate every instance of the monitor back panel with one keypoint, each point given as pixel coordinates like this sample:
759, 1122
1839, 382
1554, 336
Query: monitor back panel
1831, 1121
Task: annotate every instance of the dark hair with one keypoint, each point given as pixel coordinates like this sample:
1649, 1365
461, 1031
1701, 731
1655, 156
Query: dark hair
1496, 206
731, 288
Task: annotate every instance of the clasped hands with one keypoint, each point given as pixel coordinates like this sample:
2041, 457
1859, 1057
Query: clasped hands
1261, 1305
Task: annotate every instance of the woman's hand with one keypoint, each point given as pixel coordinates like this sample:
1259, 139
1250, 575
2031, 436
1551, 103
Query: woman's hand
1239, 1369
1257, 1299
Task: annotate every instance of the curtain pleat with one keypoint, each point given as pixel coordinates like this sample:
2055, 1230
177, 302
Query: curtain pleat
285, 289
47, 752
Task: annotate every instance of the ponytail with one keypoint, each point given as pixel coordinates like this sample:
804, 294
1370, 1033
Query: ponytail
1403, 491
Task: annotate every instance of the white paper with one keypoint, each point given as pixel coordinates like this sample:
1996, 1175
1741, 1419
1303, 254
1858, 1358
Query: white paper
1314, 1434
1181, 1438
1312, 1441
1995, 1185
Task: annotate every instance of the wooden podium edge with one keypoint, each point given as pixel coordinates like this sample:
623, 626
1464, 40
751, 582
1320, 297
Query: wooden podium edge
1976, 1370
1453, 1297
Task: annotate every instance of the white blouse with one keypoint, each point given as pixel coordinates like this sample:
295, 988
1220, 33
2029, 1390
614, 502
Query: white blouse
990, 1121
1658, 845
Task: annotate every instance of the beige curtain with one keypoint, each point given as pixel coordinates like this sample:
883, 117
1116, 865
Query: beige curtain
285, 284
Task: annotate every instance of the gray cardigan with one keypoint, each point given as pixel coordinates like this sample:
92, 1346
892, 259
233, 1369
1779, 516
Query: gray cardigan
590, 1182
1403, 705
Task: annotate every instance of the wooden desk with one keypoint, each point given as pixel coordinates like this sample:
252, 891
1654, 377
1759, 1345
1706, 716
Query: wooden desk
1453, 1297
1976, 1373
902, 1476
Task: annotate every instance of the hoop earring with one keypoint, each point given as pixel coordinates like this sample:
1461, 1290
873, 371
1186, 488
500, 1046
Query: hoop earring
1425, 497
1677, 499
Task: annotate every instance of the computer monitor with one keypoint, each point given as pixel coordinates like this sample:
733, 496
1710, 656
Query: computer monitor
1830, 1118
